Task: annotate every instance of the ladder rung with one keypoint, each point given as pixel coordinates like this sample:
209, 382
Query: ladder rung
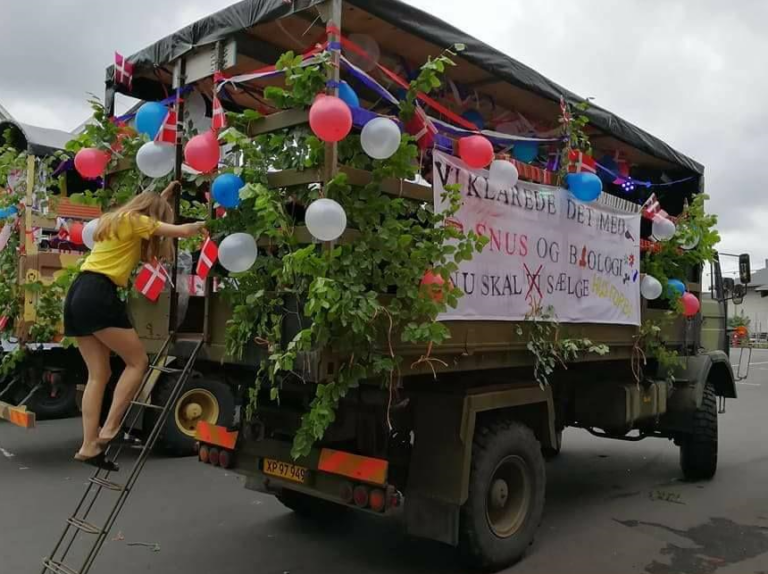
147, 405
58, 567
108, 484
166, 370
189, 337
86, 527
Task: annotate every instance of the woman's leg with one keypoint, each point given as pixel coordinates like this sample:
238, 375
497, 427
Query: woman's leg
126, 343
96, 357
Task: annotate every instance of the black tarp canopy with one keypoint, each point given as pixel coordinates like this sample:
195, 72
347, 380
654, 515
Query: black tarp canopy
241, 17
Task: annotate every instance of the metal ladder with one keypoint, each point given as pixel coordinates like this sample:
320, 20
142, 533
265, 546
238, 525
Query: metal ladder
78, 524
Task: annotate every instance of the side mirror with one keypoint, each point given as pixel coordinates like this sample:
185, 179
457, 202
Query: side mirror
745, 269
728, 284
738, 294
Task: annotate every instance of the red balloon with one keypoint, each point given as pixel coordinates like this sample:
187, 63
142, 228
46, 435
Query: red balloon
202, 152
690, 303
330, 119
432, 285
91, 162
76, 233
476, 151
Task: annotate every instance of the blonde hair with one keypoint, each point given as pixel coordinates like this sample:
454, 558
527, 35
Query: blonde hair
150, 204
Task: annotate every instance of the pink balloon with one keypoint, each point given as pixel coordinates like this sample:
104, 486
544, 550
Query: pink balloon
476, 151
202, 152
91, 162
330, 119
691, 304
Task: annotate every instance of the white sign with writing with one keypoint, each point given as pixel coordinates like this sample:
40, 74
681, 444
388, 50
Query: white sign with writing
545, 249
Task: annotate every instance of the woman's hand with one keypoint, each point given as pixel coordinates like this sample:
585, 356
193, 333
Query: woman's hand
168, 192
185, 230
193, 229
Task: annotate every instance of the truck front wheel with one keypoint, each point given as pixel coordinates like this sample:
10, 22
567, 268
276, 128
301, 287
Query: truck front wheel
698, 449
506, 495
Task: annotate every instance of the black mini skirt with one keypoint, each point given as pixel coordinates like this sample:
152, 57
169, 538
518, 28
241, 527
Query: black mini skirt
92, 304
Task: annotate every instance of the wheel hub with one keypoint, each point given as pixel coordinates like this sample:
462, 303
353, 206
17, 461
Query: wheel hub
509, 496
193, 411
499, 494
194, 406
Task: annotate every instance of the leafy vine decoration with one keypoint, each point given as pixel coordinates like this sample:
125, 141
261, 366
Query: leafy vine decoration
356, 298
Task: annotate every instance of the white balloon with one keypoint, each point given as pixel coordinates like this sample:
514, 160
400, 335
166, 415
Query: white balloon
650, 288
156, 159
369, 46
88, 231
503, 174
380, 138
692, 242
237, 253
663, 228
326, 219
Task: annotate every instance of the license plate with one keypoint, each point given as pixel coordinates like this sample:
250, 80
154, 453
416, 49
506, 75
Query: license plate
285, 470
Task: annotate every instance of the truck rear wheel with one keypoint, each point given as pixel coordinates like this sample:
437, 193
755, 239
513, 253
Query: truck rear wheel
306, 506
200, 400
698, 449
506, 495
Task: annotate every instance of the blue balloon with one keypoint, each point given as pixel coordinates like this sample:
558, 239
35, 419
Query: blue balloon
525, 152
7, 212
475, 117
675, 286
150, 118
584, 186
348, 95
226, 190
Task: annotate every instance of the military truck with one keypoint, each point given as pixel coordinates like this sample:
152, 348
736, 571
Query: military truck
463, 448
43, 385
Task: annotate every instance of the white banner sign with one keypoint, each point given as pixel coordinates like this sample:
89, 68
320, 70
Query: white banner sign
545, 249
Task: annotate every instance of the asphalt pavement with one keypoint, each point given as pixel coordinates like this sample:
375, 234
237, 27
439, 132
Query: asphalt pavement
612, 507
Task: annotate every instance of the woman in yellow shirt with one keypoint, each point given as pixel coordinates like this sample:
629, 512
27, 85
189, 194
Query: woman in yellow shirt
96, 317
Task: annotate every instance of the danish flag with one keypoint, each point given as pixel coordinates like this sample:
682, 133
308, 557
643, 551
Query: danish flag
219, 119
208, 256
151, 280
652, 207
167, 133
123, 71
581, 162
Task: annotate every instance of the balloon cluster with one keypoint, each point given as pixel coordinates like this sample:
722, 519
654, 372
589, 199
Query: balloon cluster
650, 288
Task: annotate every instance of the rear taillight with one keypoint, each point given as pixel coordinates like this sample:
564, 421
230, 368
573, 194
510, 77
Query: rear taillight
360, 496
347, 493
213, 456
225, 459
202, 453
377, 500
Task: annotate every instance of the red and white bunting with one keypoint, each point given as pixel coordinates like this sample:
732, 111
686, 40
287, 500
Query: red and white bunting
151, 280
123, 71
167, 133
208, 256
219, 119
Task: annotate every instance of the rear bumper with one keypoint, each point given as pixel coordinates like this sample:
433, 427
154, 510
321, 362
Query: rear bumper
328, 474
18, 416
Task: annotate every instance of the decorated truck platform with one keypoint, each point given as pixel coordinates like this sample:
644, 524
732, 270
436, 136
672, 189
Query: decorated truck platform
430, 261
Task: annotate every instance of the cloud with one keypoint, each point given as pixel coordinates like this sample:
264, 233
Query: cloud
689, 72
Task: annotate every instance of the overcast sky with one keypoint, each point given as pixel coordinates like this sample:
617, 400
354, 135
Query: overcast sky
689, 71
